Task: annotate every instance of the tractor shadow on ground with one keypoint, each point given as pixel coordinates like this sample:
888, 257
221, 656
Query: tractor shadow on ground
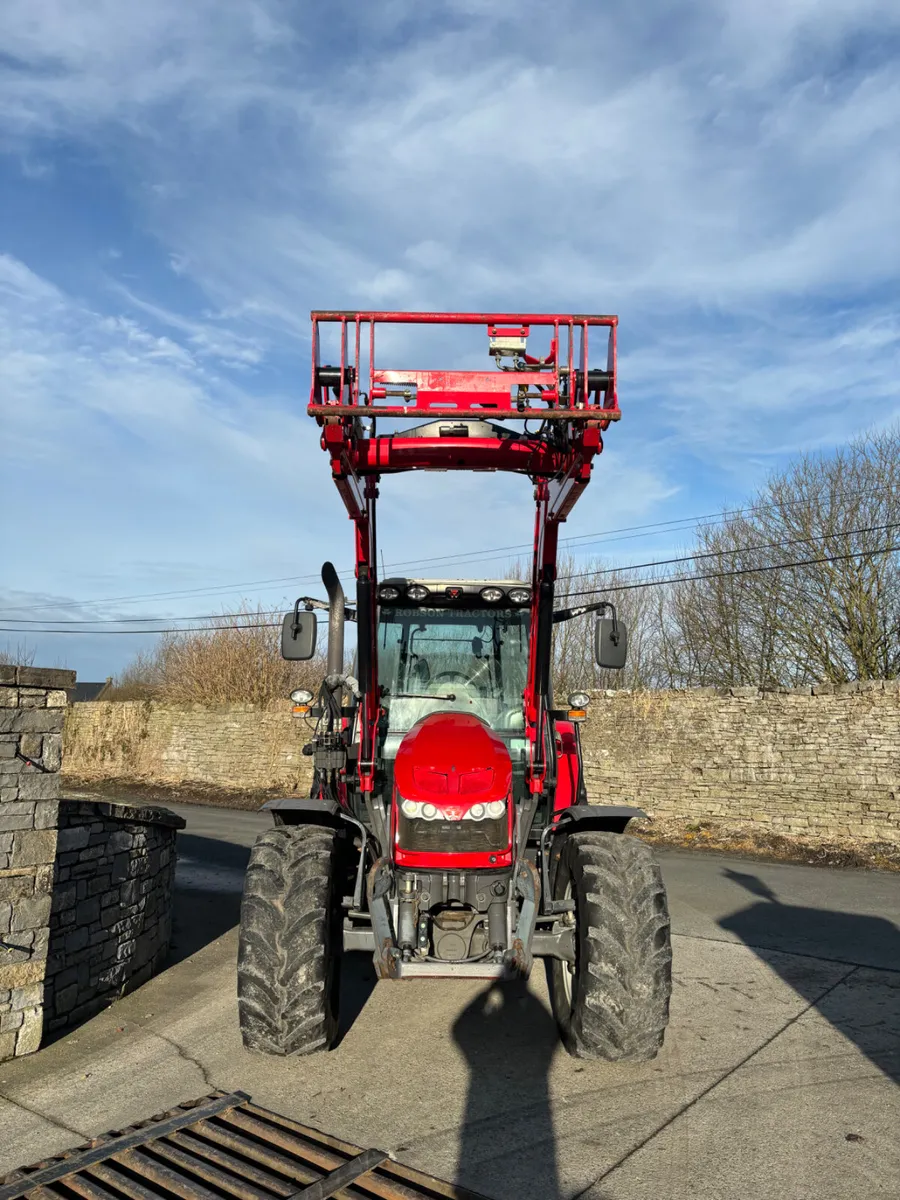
866, 1008
357, 985
507, 1140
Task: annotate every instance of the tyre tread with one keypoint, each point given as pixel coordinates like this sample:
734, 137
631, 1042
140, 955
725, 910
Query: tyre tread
285, 1004
620, 1003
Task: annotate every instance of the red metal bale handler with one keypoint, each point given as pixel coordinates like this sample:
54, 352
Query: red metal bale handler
449, 830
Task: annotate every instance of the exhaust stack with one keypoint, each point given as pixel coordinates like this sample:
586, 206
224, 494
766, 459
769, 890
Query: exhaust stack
335, 621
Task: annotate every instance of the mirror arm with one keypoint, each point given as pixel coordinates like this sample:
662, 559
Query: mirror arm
310, 603
566, 614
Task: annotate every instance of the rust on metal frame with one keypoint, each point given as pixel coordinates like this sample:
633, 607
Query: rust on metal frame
219, 1147
465, 394
463, 318
518, 414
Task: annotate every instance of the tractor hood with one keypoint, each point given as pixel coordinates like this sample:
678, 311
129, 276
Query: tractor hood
452, 754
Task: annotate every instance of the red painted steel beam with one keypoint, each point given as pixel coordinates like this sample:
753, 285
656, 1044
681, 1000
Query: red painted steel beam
593, 412
465, 318
372, 456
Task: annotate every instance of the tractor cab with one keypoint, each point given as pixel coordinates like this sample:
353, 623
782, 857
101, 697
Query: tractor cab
453, 646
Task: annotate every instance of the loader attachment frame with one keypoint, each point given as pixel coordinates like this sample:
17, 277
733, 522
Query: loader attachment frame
574, 403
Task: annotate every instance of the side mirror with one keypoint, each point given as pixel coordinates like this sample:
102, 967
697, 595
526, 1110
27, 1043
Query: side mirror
298, 635
610, 643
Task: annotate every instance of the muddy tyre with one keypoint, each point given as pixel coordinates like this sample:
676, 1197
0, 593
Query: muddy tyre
290, 942
615, 1004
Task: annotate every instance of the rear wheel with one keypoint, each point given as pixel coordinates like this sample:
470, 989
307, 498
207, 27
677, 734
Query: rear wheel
614, 1004
290, 942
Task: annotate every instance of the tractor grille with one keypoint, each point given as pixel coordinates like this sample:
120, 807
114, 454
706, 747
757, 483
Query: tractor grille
454, 837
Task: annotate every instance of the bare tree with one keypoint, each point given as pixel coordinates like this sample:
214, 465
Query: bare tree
835, 618
235, 658
140, 679
581, 581
17, 656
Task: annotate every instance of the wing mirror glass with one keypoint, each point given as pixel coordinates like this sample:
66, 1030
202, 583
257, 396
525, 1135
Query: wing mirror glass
610, 643
298, 635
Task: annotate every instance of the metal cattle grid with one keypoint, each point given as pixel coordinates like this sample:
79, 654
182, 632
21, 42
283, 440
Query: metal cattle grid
218, 1148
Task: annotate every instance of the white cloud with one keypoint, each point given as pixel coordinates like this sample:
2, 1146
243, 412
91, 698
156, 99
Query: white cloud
652, 165
770, 387
205, 338
726, 177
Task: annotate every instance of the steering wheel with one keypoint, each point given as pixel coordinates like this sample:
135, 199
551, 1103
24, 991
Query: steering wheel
451, 677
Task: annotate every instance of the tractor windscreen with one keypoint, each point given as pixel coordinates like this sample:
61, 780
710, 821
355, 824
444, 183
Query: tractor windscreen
462, 660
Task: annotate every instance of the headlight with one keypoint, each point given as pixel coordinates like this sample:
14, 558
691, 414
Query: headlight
519, 595
579, 700
425, 811
492, 594
418, 592
301, 696
388, 592
425, 828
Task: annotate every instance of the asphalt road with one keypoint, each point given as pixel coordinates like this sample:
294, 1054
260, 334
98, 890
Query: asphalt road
778, 1078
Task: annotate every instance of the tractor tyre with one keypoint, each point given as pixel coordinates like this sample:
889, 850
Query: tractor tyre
290, 942
614, 1005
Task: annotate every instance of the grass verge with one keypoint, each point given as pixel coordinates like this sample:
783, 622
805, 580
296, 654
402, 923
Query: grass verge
135, 791
756, 842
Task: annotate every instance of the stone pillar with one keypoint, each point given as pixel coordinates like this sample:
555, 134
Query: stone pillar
32, 710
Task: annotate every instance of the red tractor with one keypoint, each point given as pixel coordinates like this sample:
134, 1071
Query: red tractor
449, 829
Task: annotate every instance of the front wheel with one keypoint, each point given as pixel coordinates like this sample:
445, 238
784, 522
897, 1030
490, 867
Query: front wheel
290, 942
613, 1003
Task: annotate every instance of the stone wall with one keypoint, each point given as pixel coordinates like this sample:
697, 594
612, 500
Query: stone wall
241, 746
822, 761
111, 915
85, 889
32, 709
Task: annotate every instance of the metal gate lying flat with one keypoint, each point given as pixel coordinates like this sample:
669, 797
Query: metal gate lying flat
218, 1148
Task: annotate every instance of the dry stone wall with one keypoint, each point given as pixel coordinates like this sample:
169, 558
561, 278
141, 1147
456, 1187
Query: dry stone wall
111, 914
85, 889
821, 761
242, 746
32, 710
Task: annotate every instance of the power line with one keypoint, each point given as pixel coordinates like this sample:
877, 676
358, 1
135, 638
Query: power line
225, 588
619, 587
132, 620
803, 562
135, 632
585, 539
666, 562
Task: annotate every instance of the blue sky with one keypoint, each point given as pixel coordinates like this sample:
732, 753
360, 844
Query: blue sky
180, 182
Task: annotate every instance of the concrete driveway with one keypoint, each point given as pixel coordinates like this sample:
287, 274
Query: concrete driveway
778, 1078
